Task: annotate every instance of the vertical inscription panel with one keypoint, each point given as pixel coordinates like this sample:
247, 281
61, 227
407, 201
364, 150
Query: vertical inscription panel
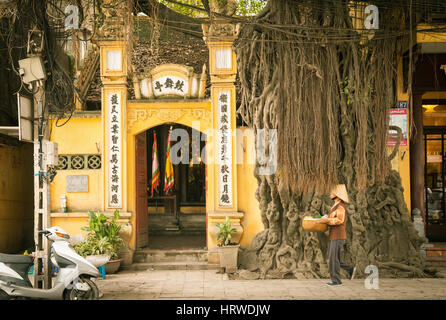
114, 127
224, 149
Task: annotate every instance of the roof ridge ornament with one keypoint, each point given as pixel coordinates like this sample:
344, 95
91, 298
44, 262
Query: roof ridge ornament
170, 80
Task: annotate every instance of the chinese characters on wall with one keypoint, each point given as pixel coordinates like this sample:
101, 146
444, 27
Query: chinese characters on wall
170, 85
114, 150
224, 149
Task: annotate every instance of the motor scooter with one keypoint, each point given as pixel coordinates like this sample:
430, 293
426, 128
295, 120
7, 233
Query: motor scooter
73, 281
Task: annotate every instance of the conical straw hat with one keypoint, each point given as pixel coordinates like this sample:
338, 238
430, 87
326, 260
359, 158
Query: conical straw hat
341, 192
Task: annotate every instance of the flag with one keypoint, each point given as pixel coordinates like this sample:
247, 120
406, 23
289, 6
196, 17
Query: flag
169, 180
155, 166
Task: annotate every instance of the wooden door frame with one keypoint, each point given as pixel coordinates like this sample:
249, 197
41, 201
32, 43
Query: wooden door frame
139, 243
134, 173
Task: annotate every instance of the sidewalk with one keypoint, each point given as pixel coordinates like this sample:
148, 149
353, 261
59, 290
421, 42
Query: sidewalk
208, 285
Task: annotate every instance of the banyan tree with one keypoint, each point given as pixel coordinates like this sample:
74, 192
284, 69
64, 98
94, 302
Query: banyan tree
326, 87
311, 71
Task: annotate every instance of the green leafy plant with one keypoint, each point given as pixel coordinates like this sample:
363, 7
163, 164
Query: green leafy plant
103, 235
102, 226
94, 246
225, 232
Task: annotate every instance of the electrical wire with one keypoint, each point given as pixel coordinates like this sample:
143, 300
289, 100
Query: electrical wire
62, 94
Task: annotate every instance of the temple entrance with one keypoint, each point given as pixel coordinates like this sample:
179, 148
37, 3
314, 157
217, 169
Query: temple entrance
175, 211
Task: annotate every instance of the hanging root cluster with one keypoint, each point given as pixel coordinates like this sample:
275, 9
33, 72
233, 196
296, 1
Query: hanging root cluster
326, 88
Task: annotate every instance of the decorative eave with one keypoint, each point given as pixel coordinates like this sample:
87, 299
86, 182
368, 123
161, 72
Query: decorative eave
170, 80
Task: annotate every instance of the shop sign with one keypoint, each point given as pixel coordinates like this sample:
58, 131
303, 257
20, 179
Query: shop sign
434, 158
398, 117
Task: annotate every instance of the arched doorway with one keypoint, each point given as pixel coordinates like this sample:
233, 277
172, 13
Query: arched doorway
175, 218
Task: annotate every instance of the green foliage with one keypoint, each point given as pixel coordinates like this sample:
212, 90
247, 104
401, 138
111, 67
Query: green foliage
72, 65
183, 8
225, 232
348, 90
94, 245
244, 7
105, 227
103, 236
249, 7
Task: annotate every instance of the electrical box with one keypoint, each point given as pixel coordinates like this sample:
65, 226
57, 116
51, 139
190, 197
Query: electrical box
51, 153
32, 69
26, 117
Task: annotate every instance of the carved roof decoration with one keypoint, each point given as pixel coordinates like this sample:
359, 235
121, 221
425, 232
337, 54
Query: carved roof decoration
170, 80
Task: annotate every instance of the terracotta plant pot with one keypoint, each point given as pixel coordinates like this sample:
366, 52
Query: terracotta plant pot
112, 266
310, 224
228, 257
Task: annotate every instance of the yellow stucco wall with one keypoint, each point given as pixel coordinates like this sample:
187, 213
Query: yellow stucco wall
82, 134
78, 136
248, 204
16, 198
247, 186
430, 36
72, 225
401, 162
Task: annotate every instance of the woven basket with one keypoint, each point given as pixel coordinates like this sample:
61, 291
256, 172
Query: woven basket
310, 224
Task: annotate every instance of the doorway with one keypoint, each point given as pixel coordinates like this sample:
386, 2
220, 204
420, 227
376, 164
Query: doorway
435, 178
173, 219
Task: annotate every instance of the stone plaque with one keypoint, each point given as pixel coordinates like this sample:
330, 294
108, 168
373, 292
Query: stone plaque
77, 183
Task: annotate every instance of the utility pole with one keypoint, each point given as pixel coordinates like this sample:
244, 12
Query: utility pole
33, 74
42, 265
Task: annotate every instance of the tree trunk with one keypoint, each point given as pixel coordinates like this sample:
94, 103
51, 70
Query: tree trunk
326, 89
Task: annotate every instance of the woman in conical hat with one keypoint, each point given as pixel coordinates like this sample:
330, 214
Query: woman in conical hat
340, 191
337, 221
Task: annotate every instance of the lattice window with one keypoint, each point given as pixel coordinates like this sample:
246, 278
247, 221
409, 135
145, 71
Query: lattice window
63, 163
79, 162
94, 161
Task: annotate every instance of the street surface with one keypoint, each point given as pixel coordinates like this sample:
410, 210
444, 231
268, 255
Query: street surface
209, 285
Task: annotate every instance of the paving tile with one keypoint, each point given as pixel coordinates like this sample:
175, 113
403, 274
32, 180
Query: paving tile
207, 284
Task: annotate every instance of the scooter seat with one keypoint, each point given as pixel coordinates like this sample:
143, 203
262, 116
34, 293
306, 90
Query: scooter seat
15, 258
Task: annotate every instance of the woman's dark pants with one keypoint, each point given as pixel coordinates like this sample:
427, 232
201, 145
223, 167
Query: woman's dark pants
334, 260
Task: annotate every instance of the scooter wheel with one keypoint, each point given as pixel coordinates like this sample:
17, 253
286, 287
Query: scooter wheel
4, 295
91, 294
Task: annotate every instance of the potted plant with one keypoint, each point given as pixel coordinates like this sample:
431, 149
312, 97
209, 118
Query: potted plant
96, 250
104, 234
227, 250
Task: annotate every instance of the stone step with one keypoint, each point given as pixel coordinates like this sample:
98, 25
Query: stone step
160, 223
179, 232
180, 265
436, 261
436, 252
436, 255
153, 255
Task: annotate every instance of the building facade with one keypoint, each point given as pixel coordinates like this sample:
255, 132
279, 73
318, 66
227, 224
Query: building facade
105, 155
